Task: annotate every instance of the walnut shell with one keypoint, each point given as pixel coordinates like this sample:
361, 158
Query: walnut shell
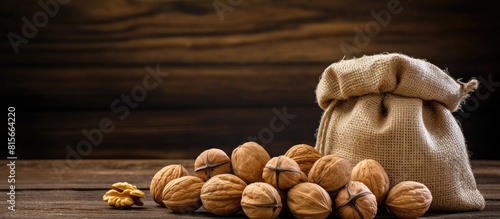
221, 194
183, 194
303, 177
248, 161
309, 200
282, 172
331, 172
408, 199
162, 177
373, 175
305, 155
211, 162
356, 201
261, 200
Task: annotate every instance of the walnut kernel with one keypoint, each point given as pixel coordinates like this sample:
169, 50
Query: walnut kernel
123, 195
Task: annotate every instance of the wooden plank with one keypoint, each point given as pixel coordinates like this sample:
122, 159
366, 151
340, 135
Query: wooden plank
478, 138
87, 174
287, 43
486, 172
91, 178
489, 191
46, 204
183, 87
180, 133
88, 204
122, 32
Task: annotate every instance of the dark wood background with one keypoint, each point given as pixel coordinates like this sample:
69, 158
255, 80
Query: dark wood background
225, 77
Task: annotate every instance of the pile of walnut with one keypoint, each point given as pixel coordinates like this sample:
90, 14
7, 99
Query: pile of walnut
301, 183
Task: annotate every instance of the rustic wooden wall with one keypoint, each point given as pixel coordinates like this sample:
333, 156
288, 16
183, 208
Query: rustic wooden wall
227, 79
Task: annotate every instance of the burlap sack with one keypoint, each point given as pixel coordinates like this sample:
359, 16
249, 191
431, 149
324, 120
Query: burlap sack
398, 110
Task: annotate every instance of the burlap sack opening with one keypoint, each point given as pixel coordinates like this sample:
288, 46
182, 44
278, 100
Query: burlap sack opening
398, 110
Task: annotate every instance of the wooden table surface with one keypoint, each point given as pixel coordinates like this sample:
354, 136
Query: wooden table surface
74, 189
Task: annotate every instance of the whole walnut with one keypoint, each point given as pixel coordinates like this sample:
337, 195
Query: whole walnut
248, 161
303, 177
373, 175
162, 177
211, 162
305, 155
309, 200
260, 201
221, 194
183, 194
331, 172
356, 201
408, 199
282, 172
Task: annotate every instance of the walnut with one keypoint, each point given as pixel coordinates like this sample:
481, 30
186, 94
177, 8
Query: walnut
356, 201
261, 200
248, 161
408, 199
183, 194
212, 162
281, 172
221, 194
331, 172
123, 195
305, 155
162, 177
303, 177
309, 200
373, 175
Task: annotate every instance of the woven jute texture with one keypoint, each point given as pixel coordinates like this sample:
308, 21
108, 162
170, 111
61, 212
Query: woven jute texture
397, 110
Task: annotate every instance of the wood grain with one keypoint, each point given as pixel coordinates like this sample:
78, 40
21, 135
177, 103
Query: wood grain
90, 87
120, 32
182, 133
82, 88
226, 76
